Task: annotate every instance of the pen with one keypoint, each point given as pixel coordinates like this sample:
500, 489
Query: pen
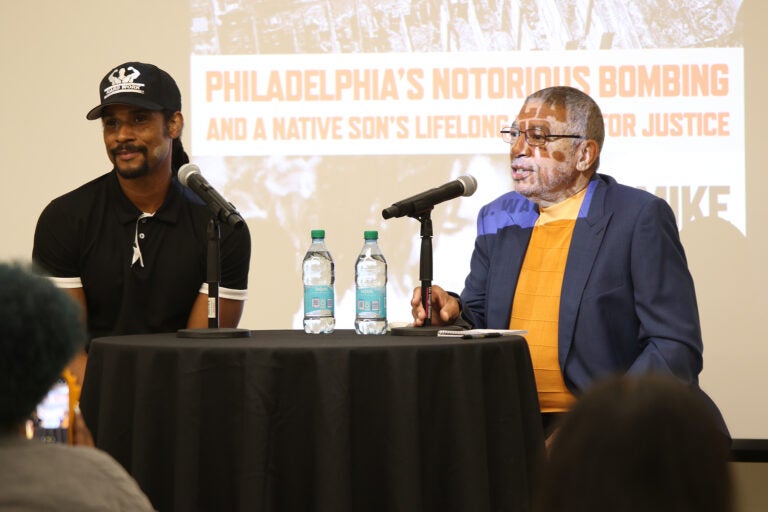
481, 335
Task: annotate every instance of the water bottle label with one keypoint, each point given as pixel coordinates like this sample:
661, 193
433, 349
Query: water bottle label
372, 302
318, 300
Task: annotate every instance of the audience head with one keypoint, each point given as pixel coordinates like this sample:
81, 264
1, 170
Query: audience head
40, 331
637, 444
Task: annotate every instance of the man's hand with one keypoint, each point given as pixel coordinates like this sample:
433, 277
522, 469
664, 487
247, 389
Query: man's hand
548, 442
80, 434
445, 308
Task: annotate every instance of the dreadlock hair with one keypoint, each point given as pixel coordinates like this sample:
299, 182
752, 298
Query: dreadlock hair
179, 157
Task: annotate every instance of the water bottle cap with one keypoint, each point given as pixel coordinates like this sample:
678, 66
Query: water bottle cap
318, 233
371, 235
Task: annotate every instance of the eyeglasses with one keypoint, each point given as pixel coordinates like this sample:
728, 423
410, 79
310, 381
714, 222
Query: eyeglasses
533, 136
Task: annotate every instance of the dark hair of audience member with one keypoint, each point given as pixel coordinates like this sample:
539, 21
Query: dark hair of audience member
637, 444
40, 331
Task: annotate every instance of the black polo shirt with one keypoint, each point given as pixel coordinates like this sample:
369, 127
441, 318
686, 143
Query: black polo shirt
86, 238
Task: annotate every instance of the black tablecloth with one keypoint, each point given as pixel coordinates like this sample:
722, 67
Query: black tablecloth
285, 421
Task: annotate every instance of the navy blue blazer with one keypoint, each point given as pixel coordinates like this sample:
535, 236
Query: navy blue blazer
627, 304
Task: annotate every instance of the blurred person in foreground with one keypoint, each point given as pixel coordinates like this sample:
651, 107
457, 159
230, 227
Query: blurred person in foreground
131, 246
637, 444
594, 271
40, 331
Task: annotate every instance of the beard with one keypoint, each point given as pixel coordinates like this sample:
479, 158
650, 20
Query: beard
551, 186
133, 173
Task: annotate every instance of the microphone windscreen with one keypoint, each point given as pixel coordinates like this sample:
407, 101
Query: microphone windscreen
185, 171
470, 184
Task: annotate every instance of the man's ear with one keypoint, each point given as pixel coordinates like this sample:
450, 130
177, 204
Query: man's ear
175, 125
588, 154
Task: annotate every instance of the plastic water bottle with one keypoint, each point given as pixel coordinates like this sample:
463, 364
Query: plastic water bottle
318, 275
371, 288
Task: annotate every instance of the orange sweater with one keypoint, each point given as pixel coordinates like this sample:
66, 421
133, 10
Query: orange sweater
536, 305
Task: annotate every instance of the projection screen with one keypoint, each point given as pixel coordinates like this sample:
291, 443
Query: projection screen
320, 113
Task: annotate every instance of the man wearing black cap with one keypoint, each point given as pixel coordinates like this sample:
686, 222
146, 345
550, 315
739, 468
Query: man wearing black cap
131, 245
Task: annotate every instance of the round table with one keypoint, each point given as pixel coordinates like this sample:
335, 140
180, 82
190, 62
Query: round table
283, 421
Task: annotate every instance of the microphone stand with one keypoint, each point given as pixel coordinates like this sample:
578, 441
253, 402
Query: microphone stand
425, 266
213, 278
425, 276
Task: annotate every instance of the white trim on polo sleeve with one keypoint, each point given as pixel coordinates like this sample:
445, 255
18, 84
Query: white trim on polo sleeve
226, 293
67, 282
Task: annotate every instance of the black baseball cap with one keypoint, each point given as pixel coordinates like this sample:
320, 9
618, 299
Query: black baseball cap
138, 84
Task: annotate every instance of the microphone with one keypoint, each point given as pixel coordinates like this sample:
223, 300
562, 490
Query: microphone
420, 203
224, 211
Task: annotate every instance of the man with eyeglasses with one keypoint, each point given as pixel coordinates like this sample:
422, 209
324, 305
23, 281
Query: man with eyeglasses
594, 271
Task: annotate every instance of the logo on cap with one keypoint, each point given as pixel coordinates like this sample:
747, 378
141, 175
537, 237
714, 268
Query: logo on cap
122, 82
